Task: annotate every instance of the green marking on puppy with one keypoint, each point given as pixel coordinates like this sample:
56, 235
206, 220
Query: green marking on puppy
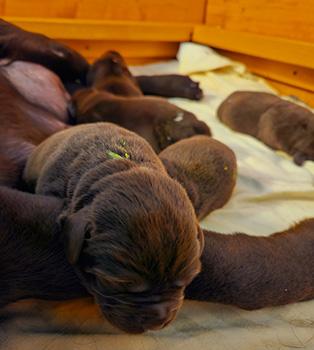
114, 155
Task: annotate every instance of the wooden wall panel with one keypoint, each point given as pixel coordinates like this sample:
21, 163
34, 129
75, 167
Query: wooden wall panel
105, 30
281, 72
287, 79
131, 10
281, 18
270, 47
139, 42
285, 89
134, 52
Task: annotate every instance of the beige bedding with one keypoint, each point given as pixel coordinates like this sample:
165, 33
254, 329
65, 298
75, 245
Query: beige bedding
271, 194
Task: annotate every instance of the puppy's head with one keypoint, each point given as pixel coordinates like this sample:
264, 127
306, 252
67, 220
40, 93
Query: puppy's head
134, 240
177, 124
109, 64
304, 149
293, 126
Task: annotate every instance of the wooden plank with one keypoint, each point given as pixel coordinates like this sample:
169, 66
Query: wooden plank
143, 10
286, 73
285, 89
40, 8
132, 51
105, 30
291, 19
135, 61
278, 49
126, 10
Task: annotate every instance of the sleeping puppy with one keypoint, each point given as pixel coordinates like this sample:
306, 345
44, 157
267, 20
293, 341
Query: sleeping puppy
110, 73
206, 168
130, 231
250, 272
155, 119
281, 125
115, 97
17, 44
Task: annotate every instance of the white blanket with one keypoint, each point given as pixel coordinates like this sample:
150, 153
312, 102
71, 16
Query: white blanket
271, 194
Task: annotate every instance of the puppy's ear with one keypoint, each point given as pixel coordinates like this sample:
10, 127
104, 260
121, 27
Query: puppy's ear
200, 237
75, 230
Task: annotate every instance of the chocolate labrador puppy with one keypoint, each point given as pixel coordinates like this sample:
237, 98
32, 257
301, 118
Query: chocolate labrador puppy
250, 272
206, 168
116, 97
130, 231
281, 125
110, 73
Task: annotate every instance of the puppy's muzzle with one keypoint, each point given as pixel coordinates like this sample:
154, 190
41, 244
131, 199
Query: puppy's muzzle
137, 315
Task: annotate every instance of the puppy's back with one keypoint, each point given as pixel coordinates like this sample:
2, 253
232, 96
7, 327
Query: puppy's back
242, 109
66, 156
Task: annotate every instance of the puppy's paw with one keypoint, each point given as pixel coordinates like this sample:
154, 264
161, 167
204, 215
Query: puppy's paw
187, 88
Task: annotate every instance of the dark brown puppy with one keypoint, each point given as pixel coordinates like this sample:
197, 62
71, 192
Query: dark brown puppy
158, 121
17, 44
115, 97
206, 168
110, 73
280, 124
130, 230
246, 271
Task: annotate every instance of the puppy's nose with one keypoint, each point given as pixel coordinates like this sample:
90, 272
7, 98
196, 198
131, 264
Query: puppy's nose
162, 310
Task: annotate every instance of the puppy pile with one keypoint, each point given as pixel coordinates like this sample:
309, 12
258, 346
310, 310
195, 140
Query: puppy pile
113, 213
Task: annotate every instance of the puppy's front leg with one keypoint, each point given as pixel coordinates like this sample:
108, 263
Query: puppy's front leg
172, 85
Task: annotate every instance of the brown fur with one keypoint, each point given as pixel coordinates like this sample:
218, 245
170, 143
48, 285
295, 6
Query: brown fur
172, 85
20, 45
32, 98
33, 263
246, 271
130, 230
206, 168
110, 73
23, 126
34, 102
280, 124
257, 272
249, 272
115, 97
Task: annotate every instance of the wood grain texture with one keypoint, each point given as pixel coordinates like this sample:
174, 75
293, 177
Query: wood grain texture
105, 30
285, 89
300, 53
133, 51
294, 75
291, 19
126, 10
